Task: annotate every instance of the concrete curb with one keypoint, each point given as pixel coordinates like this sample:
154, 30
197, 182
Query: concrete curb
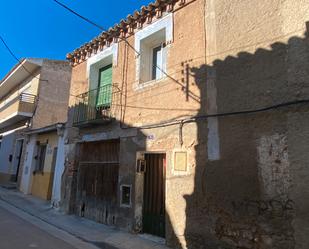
49, 228
26, 213
101, 237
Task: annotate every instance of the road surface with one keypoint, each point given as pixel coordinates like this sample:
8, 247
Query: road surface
16, 233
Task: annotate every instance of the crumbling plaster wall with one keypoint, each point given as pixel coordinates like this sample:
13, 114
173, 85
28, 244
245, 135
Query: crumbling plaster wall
260, 59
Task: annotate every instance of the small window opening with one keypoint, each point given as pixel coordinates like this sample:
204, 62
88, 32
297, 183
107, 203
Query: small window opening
153, 57
126, 195
40, 158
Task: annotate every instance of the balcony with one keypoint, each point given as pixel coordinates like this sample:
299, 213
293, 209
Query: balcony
97, 106
16, 109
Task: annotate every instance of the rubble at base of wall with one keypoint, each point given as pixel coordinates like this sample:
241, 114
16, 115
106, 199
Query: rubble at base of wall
252, 224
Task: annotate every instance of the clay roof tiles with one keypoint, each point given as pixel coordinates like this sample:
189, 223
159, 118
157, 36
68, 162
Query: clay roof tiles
145, 13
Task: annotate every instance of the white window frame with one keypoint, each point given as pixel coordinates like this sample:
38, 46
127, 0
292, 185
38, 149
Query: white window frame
95, 63
165, 23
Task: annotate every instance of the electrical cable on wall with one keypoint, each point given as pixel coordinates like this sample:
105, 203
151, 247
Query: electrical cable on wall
192, 118
123, 39
102, 29
225, 114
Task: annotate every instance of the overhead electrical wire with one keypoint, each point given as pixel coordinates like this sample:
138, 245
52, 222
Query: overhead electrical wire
18, 60
93, 23
80, 16
197, 117
8, 49
103, 29
224, 114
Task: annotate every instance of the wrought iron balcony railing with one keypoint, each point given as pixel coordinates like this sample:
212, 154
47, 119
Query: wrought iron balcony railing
96, 106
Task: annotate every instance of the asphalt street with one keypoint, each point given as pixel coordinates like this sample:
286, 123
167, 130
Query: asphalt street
16, 233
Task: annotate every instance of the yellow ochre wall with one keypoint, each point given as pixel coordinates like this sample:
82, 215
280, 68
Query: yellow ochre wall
42, 183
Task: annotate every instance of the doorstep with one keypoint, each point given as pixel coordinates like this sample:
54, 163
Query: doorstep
88, 231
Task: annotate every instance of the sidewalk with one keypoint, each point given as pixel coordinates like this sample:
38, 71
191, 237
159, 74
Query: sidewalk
88, 231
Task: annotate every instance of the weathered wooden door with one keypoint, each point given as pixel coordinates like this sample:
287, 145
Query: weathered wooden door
154, 195
98, 181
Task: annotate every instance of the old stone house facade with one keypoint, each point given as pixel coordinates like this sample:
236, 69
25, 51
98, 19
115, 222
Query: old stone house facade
189, 120
34, 98
107, 146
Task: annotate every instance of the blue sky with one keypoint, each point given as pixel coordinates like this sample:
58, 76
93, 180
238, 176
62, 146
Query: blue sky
41, 28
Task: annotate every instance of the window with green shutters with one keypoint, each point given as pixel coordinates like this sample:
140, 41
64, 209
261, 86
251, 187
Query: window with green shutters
104, 94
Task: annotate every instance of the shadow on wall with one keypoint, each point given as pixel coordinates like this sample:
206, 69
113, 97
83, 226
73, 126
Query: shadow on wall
101, 158
245, 199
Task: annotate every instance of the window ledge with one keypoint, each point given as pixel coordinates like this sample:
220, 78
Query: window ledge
141, 86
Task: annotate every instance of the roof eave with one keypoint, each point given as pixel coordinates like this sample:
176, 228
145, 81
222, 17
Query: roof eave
18, 74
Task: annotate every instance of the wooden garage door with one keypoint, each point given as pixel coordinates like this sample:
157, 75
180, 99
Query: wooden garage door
98, 181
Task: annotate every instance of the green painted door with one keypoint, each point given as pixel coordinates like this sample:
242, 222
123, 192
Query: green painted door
104, 97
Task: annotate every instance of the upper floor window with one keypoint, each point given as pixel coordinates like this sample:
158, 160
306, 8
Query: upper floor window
99, 67
95, 105
153, 57
150, 43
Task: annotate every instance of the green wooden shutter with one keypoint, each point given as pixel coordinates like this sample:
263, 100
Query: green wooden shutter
104, 97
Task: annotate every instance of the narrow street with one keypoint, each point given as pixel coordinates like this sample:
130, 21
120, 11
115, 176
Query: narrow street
16, 233
29, 222
154, 124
